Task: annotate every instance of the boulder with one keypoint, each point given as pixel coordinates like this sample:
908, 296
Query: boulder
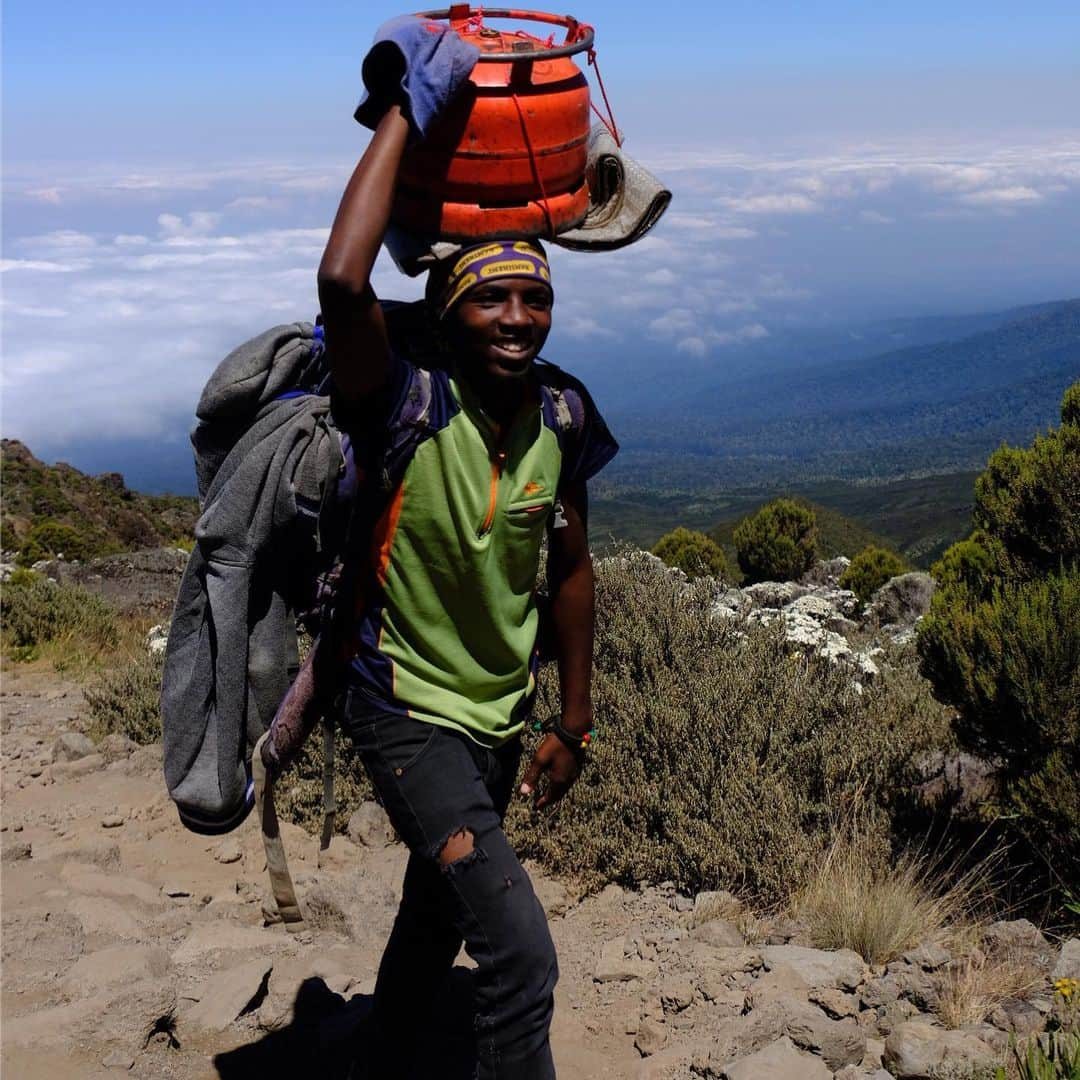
841, 969
676, 994
227, 994
71, 746
918, 1051
902, 600
370, 827
778, 1061
1013, 935
774, 594
929, 957
719, 934
116, 747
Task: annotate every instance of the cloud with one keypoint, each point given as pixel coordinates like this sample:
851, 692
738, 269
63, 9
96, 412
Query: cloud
792, 202
875, 217
1005, 196
49, 195
693, 346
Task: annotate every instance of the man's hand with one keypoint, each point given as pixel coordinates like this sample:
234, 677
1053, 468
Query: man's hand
555, 761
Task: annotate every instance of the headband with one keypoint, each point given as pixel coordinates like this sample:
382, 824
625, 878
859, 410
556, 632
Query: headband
448, 282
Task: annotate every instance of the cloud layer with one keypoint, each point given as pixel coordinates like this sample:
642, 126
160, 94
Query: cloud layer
122, 290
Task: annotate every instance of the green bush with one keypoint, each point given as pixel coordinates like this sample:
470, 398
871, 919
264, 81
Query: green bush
51, 538
1002, 640
126, 701
870, 569
777, 543
721, 760
693, 553
37, 611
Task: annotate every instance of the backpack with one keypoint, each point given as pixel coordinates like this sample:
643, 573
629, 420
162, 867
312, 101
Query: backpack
285, 500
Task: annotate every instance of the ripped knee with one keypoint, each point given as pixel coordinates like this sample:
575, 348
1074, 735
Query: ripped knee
458, 845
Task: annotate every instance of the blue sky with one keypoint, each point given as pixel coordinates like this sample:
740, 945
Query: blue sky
170, 174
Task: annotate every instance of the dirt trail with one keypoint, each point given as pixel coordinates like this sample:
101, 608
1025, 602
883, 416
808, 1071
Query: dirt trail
131, 945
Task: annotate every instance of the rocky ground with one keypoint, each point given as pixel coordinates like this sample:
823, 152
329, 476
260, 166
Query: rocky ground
132, 946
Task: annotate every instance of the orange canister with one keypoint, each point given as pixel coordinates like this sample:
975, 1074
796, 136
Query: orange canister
508, 156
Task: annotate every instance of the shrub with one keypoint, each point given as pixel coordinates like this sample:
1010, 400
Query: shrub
1002, 640
777, 543
870, 569
721, 761
37, 611
880, 910
126, 700
299, 793
51, 538
693, 553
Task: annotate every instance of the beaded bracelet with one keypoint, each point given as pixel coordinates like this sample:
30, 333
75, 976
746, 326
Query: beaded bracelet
578, 745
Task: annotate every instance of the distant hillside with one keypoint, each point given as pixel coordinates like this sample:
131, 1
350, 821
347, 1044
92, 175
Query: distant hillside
926, 409
55, 509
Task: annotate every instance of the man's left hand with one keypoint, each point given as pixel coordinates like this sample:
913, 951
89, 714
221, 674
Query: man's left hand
555, 761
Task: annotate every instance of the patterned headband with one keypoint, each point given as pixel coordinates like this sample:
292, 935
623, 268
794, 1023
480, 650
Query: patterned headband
498, 259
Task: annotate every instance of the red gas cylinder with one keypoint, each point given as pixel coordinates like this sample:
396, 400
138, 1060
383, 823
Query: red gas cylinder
508, 157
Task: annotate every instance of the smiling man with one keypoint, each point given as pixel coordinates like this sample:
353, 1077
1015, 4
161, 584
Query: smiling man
480, 453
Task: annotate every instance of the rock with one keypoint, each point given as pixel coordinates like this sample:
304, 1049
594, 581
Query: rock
291, 976
1017, 1016
72, 770
615, 966
676, 994
71, 746
778, 1061
727, 961
841, 969
227, 994
116, 747
1068, 961
112, 821
928, 957
837, 1042
819, 610
1013, 935
835, 1003
370, 827
878, 993
916, 1051
215, 938
118, 1059
902, 600
99, 915
719, 934
228, 851
119, 963
774, 594
827, 572
176, 890
682, 903
650, 1037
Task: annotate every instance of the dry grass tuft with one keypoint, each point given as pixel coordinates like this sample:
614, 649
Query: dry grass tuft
858, 901
971, 988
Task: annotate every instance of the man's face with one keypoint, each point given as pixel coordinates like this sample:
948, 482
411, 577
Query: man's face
500, 326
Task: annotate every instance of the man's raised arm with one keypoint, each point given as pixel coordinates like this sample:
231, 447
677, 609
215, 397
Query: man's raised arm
356, 339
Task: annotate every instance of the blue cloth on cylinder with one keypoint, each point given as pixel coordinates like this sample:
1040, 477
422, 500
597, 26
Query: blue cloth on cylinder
421, 64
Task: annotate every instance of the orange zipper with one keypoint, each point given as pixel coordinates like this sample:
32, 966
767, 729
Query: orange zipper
496, 472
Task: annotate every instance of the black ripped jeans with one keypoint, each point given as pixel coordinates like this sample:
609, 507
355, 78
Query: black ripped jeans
433, 783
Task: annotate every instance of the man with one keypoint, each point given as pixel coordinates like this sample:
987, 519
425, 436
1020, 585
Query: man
443, 675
